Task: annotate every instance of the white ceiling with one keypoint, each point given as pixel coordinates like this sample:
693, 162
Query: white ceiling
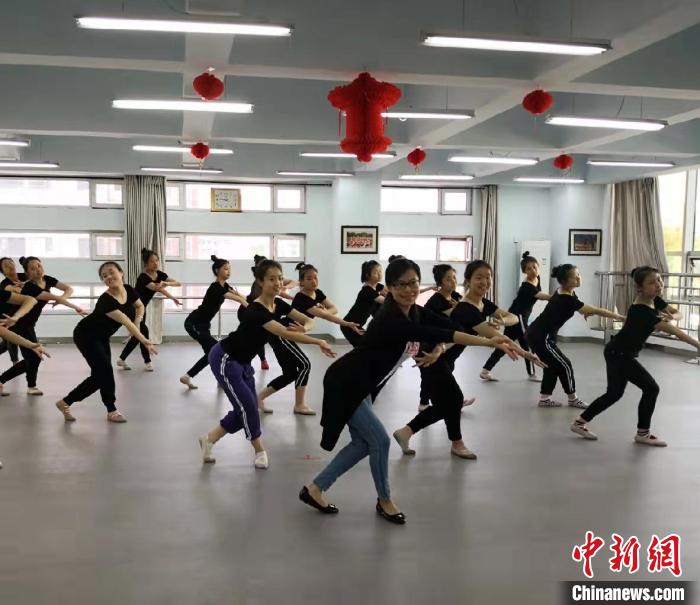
58, 81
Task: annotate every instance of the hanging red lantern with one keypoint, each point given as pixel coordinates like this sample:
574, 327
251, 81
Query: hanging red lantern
563, 161
416, 157
363, 101
208, 86
538, 101
200, 151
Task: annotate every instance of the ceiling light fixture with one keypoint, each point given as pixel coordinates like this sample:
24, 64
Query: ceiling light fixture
625, 163
493, 160
191, 27
28, 165
188, 170
436, 177
178, 149
517, 44
319, 154
556, 181
429, 115
313, 174
14, 143
176, 105
617, 123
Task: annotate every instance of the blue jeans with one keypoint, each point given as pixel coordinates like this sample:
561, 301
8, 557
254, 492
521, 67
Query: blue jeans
368, 437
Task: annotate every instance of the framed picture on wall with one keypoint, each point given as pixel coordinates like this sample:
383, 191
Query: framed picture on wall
585, 242
225, 200
359, 240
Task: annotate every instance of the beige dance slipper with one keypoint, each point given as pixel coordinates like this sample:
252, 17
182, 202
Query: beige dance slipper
64, 408
305, 411
463, 452
116, 416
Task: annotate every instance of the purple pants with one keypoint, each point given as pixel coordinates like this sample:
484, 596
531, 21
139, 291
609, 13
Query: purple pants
237, 381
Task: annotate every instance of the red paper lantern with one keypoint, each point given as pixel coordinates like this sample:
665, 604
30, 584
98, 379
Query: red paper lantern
363, 101
563, 161
208, 86
538, 101
200, 151
416, 157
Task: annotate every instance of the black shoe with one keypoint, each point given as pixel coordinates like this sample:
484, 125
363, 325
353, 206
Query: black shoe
306, 498
398, 518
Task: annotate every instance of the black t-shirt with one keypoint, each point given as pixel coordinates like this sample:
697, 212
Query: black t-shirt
638, 326
525, 300
250, 336
142, 283
6, 307
213, 299
365, 304
32, 289
559, 310
466, 316
437, 303
98, 324
303, 303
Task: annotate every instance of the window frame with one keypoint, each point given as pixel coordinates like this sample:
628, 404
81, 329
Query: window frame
282, 236
181, 257
470, 201
469, 248
93, 194
469, 241
183, 192
93, 245
59, 232
275, 196
34, 178
179, 185
391, 212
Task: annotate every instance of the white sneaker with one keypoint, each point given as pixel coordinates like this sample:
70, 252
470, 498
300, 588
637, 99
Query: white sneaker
206, 446
549, 403
188, 381
487, 376
422, 408
534, 378
582, 429
577, 403
123, 365
34, 391
261, 460
649, 439
148, 367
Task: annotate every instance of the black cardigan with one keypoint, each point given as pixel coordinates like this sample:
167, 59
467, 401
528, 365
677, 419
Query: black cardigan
364, 370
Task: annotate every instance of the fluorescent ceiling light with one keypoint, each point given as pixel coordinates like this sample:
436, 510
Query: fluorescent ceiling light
558, 181
193, 27
436, 177
625, 163
210, 106
14, 143
312, 174
619, 123
28, 165
493, 160
178, 149
522, 45
319, 154
429, 115
189, 170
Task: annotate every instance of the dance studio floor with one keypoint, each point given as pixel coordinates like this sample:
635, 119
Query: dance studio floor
96, 513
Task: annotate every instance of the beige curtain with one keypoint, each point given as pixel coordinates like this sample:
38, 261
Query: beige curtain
636, 236
489, 231
145, 213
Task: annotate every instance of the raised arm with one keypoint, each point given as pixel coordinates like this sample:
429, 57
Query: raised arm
121, 318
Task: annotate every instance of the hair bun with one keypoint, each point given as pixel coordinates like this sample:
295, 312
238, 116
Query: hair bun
299, 266
144, 250
555, 271
525, 254
213, 258
633, 271
22, 260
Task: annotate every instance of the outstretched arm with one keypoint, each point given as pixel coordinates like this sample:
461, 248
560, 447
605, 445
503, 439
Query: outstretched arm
588, 310
120, 317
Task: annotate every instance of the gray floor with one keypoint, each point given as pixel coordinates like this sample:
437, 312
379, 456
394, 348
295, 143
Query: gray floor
119, 514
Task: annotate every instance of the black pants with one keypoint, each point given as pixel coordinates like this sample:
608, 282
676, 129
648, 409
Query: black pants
99, 357
133, 341
294, 363
622, 369
558, 365
447, 399
351, 336
517, 333
30, 360
11, 348
201, 333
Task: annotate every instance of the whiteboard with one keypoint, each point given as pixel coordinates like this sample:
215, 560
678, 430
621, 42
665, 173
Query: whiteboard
541, 250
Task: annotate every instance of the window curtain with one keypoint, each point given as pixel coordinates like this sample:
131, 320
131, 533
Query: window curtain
636, 236
489, 231
144, 209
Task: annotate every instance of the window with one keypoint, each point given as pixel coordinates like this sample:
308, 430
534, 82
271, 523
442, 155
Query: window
289, 248
696, 239
672, 200
409, 200
254, 198
455, 201
107, 246
427, 248
173, 196
232, 247
107, 195
44, 192
45, 245
81, 297
289, 199
175, 247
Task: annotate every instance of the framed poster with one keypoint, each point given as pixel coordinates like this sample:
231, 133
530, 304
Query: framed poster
585, 242
225, 200
359, 240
